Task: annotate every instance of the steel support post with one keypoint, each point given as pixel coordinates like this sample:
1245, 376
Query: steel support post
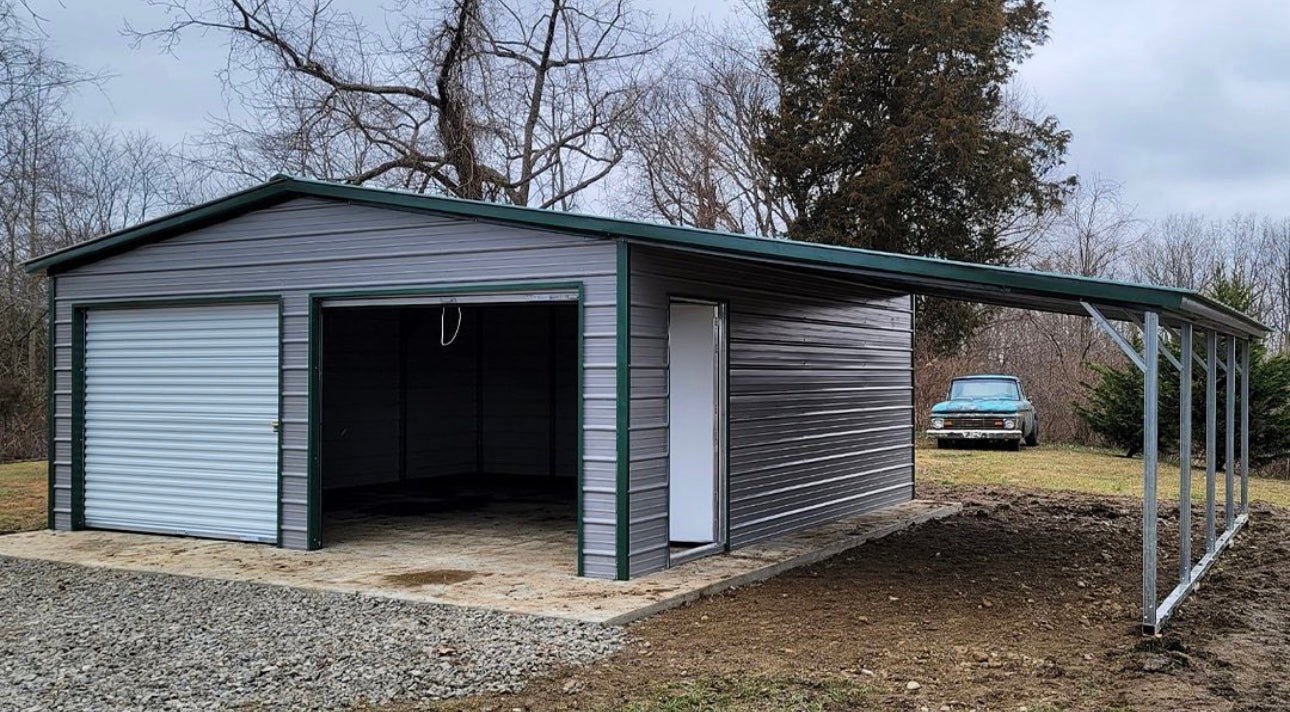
1184, 455
1150, 428
1245, 427
1154, 616
1211, 437
1229, 471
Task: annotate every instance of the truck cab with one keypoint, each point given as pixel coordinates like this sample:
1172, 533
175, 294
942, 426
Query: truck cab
985, 408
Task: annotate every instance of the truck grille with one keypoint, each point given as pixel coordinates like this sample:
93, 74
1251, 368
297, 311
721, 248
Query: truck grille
973, 422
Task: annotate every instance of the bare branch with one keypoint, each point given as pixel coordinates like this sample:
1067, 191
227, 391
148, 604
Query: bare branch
526, 101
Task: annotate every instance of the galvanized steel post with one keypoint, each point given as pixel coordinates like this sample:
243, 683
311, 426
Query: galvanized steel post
1184, 455
1211, 436
1245, 427
1150, 428
1229, 407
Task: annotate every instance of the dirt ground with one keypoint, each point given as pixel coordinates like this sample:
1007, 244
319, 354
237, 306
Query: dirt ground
1028, 600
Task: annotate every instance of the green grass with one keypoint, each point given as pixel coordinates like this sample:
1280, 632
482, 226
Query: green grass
751, 693
1056, 467
1075, 469
22, 496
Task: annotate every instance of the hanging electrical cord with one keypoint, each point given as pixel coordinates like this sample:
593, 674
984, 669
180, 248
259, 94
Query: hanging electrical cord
444, 339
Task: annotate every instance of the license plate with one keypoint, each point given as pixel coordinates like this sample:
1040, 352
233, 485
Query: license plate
972, 435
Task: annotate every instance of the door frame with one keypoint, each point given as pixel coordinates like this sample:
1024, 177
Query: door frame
721, 404
572, 292
79, 311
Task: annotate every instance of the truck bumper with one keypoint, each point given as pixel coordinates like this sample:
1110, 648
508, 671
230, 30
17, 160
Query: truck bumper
975, 434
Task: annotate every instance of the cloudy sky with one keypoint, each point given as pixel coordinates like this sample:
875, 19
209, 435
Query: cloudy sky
1186, 103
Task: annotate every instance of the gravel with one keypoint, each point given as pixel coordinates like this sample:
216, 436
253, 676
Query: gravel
78, 638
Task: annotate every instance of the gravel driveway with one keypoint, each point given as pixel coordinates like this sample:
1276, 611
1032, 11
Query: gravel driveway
77, 638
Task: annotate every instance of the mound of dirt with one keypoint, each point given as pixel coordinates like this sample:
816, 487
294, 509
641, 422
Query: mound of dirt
1025, 600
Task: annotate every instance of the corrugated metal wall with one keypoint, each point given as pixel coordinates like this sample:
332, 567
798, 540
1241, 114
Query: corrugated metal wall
821, 396
312, 245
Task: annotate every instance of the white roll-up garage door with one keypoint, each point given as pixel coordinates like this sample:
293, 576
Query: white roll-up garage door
180, 405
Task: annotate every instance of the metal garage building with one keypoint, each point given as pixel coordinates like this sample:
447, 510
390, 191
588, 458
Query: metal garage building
227, 370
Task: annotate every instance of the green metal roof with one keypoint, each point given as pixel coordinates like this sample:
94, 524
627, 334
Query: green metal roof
1004, 286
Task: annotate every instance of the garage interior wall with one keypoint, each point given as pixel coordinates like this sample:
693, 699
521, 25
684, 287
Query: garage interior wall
309, 246
820, 396
397, 404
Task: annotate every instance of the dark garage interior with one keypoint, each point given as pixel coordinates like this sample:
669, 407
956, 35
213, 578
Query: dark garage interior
450, 421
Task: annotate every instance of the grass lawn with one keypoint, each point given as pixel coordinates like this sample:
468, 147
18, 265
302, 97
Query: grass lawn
1056, 467
22, 496
1061, 467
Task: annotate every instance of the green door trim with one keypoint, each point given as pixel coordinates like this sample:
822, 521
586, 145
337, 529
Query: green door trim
78, 419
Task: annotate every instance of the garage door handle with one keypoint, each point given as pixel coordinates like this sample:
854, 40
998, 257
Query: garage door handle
277, 425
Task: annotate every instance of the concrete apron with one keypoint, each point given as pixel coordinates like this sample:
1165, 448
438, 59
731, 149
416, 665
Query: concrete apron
514, 579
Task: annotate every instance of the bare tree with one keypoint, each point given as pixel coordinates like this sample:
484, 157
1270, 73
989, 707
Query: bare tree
59, 182
1188, 250
522, 101
694, 160
1093, 233
1022, 230
32, 132
1179, 250
1274, 247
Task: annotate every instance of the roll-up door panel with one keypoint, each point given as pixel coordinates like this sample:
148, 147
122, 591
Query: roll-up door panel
180, 404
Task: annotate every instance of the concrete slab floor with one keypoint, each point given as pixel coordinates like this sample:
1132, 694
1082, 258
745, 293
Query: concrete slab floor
510, 562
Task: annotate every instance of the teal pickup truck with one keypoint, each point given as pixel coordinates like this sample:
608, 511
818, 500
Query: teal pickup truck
985, 408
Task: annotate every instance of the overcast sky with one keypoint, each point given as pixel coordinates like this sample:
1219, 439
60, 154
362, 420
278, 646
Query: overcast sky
1186, 103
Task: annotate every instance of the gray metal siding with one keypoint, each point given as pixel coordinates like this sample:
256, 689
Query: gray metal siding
62, 407
309, 245
820, 396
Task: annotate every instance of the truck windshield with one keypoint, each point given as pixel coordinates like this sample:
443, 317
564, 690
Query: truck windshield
984, 388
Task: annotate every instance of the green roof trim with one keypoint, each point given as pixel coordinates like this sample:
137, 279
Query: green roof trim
1006, 286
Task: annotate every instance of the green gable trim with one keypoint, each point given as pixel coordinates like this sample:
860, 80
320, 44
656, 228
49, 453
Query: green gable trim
1008, 286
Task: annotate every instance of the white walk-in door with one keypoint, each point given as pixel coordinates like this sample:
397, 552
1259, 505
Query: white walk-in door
694, 432
181, 409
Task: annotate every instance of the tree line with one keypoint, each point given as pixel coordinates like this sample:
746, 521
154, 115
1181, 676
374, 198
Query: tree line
1087, 392
891, 124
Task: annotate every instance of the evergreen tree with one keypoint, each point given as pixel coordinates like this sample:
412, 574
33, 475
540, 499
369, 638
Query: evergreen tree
1114, 401
893, 130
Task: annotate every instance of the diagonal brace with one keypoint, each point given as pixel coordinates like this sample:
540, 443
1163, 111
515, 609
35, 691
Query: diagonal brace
1115, 335
1169, 356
